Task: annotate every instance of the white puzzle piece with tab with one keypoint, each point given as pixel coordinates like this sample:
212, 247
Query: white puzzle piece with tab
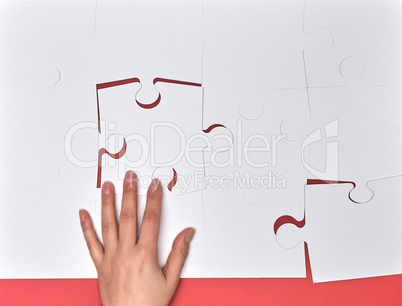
370, 30
238, 215
49, 125
41, 33
362, 122
149, 50
40, 234
348, 240
259, 143
250, 46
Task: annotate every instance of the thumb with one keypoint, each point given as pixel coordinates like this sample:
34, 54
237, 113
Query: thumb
178, 256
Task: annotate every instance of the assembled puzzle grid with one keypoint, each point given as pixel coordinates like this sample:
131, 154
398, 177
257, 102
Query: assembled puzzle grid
258, 117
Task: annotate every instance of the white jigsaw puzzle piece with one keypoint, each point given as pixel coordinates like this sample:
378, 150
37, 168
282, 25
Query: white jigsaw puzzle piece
348, 240
259, 143
149, 49
239, 236
360, 125
249, 46
49, 125
42, 33
40, 231
366, 29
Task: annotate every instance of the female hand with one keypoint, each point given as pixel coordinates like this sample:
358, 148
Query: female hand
128, 269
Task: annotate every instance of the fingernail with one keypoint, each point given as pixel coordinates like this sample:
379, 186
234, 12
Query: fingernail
107, 188
189, 236
154, 185
130, 179
82, 216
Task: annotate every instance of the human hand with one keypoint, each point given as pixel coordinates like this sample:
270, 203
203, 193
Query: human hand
128, 268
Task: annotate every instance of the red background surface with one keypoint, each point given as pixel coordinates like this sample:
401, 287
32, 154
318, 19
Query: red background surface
386, 290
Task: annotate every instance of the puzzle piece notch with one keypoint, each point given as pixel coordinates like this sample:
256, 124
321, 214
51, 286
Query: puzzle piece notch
47, 78
108, 45
253, 110
142, 90
148, 94
319, 41
361, 193
352, 69
346, 240
352, 193
256, 196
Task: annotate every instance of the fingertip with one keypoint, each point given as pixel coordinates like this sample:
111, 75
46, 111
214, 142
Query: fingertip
189, 235
82, 214
178, 255
130, 180
155, 188
107, 188
185, 236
